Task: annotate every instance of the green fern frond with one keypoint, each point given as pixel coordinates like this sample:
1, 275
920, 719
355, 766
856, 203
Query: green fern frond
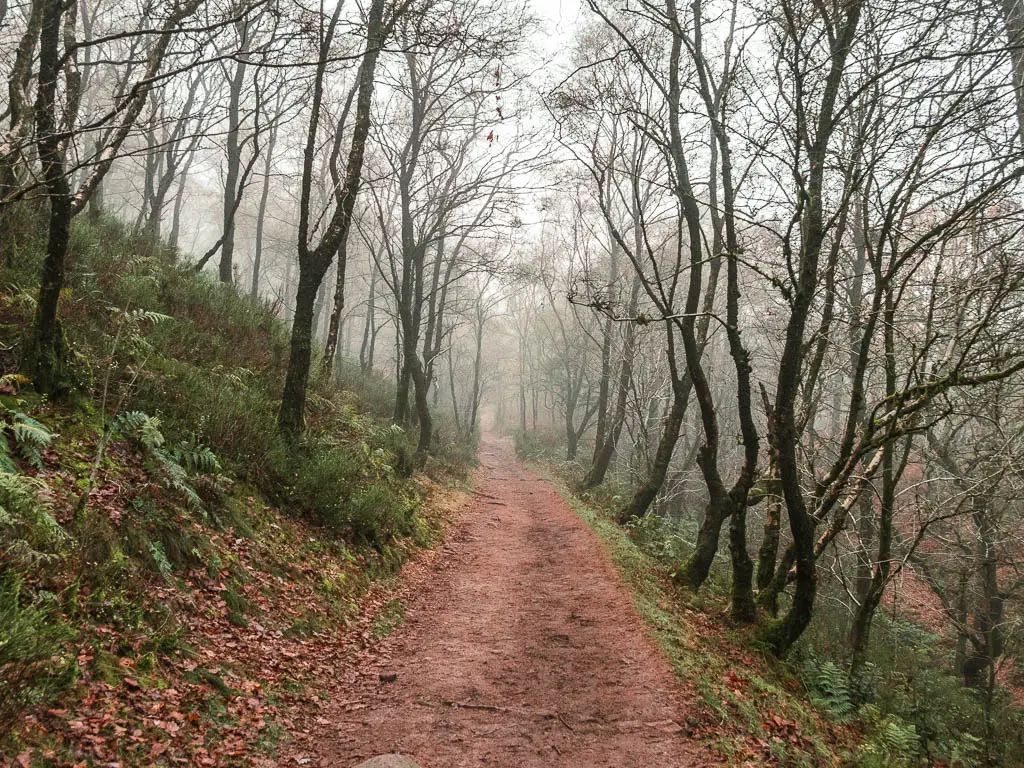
196, 458
142, 427
28, 531
6, 462
176, 478
25, 296
177, 464
899, 738
829, 687
144, 315
159, 555
31, 438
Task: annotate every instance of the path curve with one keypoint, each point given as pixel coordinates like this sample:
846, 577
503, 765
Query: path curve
524, 650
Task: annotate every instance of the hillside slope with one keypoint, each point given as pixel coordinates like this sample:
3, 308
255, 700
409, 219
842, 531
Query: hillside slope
173, 577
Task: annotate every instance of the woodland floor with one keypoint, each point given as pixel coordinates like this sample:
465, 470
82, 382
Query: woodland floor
520, 647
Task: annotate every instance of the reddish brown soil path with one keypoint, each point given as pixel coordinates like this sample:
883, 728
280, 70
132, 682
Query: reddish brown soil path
524, 649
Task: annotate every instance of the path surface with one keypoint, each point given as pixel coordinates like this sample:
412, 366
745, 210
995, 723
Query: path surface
523, 650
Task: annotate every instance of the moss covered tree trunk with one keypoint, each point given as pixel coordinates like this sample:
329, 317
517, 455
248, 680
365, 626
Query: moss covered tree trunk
44, 361
291, 417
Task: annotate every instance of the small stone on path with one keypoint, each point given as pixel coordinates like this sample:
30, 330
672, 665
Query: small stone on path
388, 761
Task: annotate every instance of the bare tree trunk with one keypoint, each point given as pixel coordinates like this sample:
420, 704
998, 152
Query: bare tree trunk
603, 458
769, 551
401, 412
682, 388
179, 201
647, 491
313, 263
988, 640
536, 408
145, 217
785, 440
603, 389
477, 363
434, 330
334, 320
860, 631
257, 262
1013, 20
426, 423
293, 398
234, 161
866, 542
455, 397
571, 439
369, 333
21, 112
522, 386
288, 308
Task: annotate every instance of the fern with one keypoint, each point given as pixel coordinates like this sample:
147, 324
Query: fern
239, 378
892, 741
23, 296
898, 737
137, 264
142, 427
828, 687
179, 465
163, 565
35, 665
28, 531
143, 315
28, 436
176, 478
31, 438
196, 458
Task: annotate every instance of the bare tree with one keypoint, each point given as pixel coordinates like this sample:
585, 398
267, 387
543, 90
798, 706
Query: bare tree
314, 261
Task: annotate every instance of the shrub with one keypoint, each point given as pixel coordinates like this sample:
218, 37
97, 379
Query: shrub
539, 445
890, 741
376, 393
379, 514
237, 419
913, 709
452, 456
661, 538
323, 480
34, 666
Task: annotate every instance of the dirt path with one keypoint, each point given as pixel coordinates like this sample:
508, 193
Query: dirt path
524, 649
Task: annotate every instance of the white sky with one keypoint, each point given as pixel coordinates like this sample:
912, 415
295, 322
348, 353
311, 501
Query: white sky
560, 17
